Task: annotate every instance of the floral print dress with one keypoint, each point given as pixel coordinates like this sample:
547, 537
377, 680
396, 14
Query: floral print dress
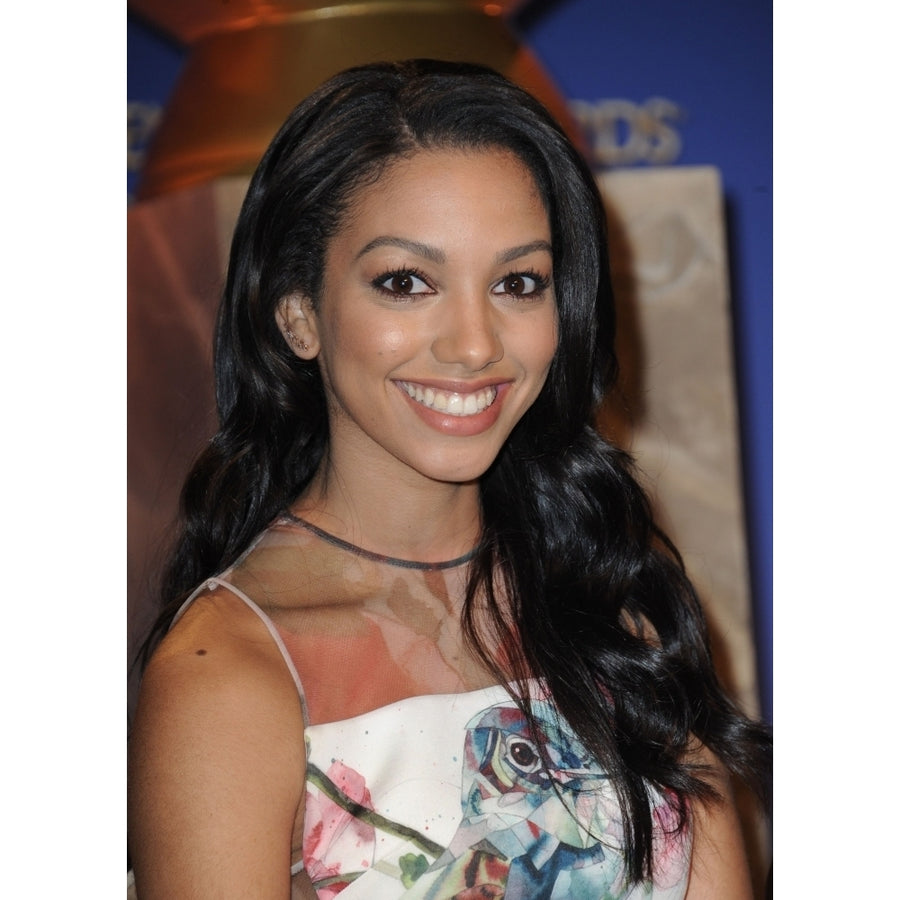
423, 779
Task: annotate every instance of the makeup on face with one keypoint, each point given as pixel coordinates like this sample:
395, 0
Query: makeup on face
437, 321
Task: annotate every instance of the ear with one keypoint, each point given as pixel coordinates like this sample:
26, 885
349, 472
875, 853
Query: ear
297, 323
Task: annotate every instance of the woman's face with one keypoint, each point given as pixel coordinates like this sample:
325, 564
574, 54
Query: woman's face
437, 320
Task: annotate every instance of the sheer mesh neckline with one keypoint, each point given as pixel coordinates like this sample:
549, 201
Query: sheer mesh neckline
378, 557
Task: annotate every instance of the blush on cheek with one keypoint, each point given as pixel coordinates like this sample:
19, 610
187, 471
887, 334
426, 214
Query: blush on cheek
361, 338
392, 341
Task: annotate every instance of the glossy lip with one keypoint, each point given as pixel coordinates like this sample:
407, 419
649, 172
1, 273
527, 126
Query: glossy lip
457, 426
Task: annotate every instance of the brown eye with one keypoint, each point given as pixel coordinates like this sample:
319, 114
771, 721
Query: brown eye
402, 284
515, 284
521, 284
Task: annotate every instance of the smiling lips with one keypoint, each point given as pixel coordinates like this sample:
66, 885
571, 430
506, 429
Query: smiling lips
450, 403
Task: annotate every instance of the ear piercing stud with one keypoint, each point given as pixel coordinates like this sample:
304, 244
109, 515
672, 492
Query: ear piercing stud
292, 339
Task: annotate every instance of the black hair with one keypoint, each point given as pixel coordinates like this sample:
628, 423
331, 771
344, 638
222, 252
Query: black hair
583, 590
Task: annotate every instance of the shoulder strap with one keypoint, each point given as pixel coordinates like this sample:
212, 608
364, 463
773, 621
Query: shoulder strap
210, 585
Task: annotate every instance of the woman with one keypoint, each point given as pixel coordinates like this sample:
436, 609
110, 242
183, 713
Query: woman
423, 638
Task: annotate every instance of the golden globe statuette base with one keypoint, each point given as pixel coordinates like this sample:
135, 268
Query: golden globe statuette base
249, 63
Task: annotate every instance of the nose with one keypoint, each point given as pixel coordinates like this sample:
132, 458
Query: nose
467, 333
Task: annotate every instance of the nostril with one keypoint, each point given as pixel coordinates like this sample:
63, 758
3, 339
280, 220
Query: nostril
470, 342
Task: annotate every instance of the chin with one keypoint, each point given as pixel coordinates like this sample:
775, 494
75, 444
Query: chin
454, 473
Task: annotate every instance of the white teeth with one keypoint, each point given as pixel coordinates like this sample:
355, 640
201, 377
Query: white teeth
450, 402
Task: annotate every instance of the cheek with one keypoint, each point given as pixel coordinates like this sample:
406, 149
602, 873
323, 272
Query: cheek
543, 352
542, 345
363, 340
390, 342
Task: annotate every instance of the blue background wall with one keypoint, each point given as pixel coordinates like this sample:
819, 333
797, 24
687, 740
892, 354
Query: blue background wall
712, 62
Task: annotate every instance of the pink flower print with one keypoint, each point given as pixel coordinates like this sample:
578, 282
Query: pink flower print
337, 846
670, 847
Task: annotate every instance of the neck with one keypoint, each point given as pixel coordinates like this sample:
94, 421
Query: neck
412, 518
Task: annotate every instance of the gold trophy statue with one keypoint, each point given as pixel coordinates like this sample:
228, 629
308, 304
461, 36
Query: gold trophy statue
251, 61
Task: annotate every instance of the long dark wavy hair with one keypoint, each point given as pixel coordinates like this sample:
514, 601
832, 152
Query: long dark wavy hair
582, 590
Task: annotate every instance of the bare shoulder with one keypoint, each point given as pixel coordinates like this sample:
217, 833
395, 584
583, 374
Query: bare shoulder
220, 663
216, 759
719, 866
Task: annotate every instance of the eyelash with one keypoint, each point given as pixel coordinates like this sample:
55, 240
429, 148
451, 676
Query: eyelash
379, 282
541, 282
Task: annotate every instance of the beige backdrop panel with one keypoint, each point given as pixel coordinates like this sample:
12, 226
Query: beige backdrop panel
677, 410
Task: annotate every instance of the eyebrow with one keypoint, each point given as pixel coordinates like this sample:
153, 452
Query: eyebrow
433, 254
523, 250
424, 250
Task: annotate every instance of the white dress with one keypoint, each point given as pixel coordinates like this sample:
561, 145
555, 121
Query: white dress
423, 784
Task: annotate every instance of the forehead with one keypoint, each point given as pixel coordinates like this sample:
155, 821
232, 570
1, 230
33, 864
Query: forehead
443, 196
